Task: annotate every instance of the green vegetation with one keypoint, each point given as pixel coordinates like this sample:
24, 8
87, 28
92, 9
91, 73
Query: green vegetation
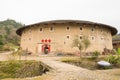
118, 51
8, 37
114, 59
81, 62
19, 53
95, 55
77, 43
91, 62
81, 44
117, 36
86, 43
21, 69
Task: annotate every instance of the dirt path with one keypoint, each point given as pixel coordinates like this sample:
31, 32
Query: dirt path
63, 71
70, 72
4, 56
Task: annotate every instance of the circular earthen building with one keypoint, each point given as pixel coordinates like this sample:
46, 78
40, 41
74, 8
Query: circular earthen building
58, 35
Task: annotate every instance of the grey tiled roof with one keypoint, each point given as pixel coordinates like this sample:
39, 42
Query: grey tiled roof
113, 30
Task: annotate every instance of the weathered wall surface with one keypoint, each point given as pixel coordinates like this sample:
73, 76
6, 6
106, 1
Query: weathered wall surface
99, 36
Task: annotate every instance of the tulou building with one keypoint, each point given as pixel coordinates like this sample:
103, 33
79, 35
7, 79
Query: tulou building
58, 35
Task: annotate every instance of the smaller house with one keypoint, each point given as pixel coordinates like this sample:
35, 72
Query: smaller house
116, 41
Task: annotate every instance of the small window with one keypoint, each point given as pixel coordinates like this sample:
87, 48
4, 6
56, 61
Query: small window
93, 38
68, 37
80, 28
29, 38
81, 37
92, 29
51, 28
30, 30
67, 28
102, 38
41, 29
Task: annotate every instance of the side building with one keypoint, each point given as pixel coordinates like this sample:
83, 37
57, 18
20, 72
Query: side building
116, 41
58, 35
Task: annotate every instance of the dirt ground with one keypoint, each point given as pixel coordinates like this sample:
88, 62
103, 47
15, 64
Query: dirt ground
63, 71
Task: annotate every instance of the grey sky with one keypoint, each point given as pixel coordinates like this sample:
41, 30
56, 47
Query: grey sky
33, 11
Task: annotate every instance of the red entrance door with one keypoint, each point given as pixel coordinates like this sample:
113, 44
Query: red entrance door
46, 47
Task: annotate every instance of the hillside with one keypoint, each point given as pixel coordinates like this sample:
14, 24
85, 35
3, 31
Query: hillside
8, 32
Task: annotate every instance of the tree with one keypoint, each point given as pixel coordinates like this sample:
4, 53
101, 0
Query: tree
18, 52
81, 44
118, 51
77, 43
1, 40
86, 43
8, 31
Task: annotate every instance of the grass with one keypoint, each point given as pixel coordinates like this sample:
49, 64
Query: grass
88, 63
21, 69
43, 77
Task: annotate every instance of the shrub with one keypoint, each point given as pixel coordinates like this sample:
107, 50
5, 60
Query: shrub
95, 55
76, 61
118, 51
30, 70
8, 69
115, 60
114, 51
21, 69
112, 59
1, 47
84, 62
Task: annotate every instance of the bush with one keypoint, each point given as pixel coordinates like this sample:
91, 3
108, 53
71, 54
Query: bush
95, 55
1, 47
21, 69
118, 51
115, 60
8, 47
84, 62
76, 62
112, 59
30, 70
8, 69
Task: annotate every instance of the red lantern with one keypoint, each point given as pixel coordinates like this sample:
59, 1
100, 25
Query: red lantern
46, 40
49, 40
42, 40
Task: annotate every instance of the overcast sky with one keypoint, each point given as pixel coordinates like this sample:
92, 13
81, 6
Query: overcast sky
33, 11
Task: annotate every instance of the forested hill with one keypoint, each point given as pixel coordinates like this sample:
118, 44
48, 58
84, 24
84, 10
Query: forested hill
8, 32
